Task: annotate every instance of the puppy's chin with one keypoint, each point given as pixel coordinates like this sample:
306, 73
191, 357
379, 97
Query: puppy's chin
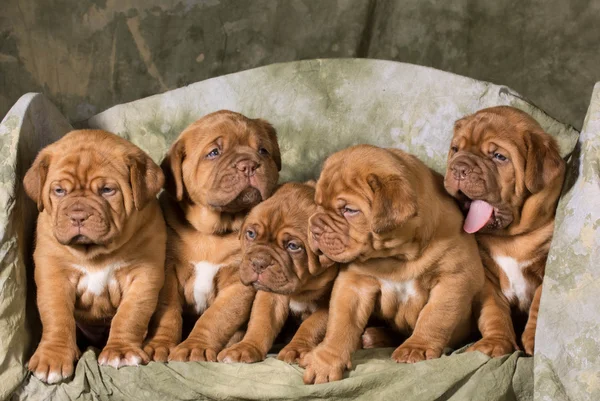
245, 200
286, 289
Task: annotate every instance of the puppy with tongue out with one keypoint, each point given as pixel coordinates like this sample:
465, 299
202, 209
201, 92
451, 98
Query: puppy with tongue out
506, 174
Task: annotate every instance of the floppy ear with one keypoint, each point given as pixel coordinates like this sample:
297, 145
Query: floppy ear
171, 167
543, 165
394, 202
317, 264
273, 137
35, 178
146, 179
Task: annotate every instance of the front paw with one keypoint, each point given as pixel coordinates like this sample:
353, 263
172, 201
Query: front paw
158, 351
241, 352
528, 340
53, 363
324, 365
494, 346
193, 351
413, 351
292, 353
120, 355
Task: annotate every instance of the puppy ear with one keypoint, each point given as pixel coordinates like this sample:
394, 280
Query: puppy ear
146, 179
276, 155
171, 167
543, 165
35, 178
394, 202
317, 264
311, 183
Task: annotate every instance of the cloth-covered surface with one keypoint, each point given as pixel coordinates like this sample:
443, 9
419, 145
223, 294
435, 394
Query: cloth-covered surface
317, 107
567, 359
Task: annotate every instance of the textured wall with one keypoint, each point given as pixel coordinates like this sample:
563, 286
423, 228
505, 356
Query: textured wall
89, 55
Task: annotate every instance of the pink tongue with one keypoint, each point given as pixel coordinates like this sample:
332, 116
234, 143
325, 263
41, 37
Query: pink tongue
478, 216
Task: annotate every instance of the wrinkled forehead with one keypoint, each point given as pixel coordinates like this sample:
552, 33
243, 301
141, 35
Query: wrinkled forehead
231, 132
339, 186
478, 130
85, 165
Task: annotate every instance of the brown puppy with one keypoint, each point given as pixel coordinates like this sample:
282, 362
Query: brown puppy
100, 249
386, 214
288, 275
218, 169
507, 174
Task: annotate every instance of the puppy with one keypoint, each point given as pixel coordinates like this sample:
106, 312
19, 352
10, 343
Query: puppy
386, 215
218, 169
100, 249
290, 278
507, 174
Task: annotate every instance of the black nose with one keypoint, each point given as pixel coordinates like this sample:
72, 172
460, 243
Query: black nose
260, 263
461, 170
248, 167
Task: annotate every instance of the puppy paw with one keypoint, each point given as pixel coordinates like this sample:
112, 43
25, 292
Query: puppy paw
323, 365
241, 352
528, 340
412, 352
158, 351
493, 346
193, 351
378, 337
53, 363
292, 353
122, 355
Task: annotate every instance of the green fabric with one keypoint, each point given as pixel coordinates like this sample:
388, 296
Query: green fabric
568, 336
317, 107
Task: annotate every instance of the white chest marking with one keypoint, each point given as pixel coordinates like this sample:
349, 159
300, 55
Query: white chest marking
518, 284
97, 281
402, 290
203, 283
301, 307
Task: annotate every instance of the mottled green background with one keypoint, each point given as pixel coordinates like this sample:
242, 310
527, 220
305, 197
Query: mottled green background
87, 55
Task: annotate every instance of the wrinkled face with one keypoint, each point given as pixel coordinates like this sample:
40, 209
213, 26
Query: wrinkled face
224, 161
498, 158
274, 242
359, 205
90, 182
87, 203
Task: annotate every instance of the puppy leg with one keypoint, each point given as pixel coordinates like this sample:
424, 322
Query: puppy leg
352, 302
218, 323
269, 313
448, 306
54, 357
495, 323
379, 337
130, 323
528, 337
309, 335
165, 327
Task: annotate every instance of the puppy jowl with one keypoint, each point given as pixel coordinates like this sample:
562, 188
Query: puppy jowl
100, 248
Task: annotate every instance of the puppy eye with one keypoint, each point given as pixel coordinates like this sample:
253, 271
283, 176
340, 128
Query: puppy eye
107, 191
250, 234
454, 149
58, 191
263, 151
346, 211
213, 153
500, 157
293, 247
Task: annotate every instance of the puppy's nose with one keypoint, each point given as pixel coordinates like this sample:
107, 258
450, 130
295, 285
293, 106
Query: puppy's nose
248, 167
461, 170
260, 263
78, 217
